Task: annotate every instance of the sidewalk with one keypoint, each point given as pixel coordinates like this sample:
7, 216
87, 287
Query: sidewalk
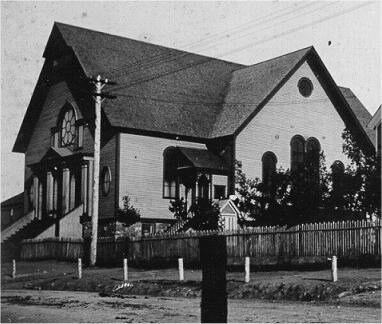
354, 286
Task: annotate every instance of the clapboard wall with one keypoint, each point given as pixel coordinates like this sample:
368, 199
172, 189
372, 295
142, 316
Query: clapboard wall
141, 173
288, 113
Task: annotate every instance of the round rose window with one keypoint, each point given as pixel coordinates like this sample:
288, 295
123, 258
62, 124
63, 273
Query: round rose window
68, 128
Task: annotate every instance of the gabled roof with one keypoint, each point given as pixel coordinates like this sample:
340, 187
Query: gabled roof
166, 91
228, 208
250, 87
359, 110
376, 119
184, 100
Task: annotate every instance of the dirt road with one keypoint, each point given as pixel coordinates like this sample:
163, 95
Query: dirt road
64, 306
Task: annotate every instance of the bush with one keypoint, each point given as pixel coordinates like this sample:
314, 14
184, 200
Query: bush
203, 214
128, 215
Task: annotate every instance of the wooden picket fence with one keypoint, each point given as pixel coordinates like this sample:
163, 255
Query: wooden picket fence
58, 248
267, 245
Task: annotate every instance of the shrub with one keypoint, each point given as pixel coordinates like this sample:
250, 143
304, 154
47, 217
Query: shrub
128, 215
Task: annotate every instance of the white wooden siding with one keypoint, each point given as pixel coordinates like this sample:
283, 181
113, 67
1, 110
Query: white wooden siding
141, 173
70, 226
289, 113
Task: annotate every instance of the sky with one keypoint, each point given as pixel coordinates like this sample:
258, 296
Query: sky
346, 35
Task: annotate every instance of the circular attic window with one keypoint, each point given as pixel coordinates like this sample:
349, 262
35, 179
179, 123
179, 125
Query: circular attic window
305, 86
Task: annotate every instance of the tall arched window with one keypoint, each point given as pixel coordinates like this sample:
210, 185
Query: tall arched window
297, 147
170, 174
313, 149
269, 161
338, 170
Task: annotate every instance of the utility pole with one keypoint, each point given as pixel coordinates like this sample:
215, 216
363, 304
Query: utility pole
98, 97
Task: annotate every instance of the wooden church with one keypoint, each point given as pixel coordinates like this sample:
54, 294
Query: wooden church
173, 129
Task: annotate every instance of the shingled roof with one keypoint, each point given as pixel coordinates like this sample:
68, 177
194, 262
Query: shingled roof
181, 94
164, 90
362, 114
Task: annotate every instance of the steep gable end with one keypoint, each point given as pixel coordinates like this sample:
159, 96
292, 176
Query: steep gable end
251, 87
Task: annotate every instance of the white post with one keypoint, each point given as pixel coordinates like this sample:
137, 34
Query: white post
181, 272
247, 269
13, 268
125, 276
79, 268
334, 268
97, 147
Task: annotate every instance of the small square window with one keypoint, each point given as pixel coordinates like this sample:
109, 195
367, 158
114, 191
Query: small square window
219, 192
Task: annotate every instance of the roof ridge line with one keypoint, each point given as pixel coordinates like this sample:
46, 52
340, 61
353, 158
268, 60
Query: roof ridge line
151, 44
278, 57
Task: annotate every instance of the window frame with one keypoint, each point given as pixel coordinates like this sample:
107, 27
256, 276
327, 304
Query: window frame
301, 89
220, 187
294, 165
170, 188
269, 154
106, 171
66, 110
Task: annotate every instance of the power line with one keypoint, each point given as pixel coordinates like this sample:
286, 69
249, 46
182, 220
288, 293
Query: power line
249, 24
158, 58
127, 85
214, 103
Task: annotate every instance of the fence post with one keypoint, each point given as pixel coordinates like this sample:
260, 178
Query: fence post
125, 277
79, 268
247, 269
334, 268
213, 260
181, 272
13, 268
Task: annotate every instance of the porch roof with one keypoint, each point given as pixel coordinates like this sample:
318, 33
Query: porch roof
204, 159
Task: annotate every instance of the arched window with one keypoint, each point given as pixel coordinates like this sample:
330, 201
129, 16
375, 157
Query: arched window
170, 174
269, 161
312, 159
297, 145
313, 149
338, 170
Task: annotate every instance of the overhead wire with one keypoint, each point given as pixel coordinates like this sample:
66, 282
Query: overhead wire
317, 21
234, 103
181, 55
158, 58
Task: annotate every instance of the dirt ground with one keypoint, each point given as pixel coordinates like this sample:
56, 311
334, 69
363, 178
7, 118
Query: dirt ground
57, 307
50, 291
358, 287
